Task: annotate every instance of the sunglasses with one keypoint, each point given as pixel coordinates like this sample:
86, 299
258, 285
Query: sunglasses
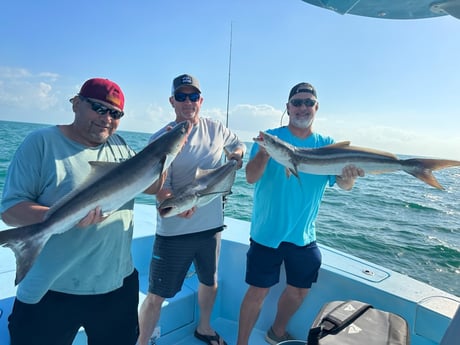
102, 109
181, 97
307, 102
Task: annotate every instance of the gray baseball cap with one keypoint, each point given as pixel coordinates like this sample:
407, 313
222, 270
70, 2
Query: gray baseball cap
185, 80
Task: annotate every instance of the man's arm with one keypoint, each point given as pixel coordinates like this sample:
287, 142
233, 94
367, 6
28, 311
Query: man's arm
24, 213
27, 212
157, 185
256, 166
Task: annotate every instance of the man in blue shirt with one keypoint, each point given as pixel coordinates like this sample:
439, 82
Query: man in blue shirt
283, 220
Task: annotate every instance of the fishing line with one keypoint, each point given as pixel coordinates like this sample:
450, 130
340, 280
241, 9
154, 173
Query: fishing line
282, 115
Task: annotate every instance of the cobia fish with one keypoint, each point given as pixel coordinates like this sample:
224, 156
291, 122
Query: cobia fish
208, 185
109, 186
331, 159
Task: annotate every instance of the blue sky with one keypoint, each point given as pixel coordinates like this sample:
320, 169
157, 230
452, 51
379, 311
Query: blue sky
387, 84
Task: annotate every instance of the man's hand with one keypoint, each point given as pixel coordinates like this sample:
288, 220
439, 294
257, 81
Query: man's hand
93, 217
188, 213
238, 156
350, 172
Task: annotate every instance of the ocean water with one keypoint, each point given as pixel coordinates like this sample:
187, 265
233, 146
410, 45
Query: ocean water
393, 220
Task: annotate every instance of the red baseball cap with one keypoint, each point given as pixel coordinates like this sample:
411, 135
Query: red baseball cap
103, 90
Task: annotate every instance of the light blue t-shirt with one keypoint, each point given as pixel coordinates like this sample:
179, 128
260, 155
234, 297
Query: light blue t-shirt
285, 208
91, 260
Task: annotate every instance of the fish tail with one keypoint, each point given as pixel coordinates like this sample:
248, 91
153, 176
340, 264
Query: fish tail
26, 244
422, 168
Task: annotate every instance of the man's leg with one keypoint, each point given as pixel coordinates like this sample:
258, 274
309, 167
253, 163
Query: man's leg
54, 320
249, 312
149, 315
290, 301
111, 318
206, 299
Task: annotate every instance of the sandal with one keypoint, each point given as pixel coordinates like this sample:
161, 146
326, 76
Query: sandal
210, 339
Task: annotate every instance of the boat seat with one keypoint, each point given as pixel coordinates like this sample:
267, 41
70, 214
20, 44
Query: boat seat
178, 311
424, 325
453, 331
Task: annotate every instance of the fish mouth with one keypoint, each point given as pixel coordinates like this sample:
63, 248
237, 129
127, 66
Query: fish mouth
164, 211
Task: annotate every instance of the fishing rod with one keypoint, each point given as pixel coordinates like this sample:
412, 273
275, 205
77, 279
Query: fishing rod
224, 199
229, 71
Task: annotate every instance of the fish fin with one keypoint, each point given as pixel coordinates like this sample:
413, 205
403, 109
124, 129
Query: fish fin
107, 213
369, 150
223, 192
166, 162
345, 146
309, 150
287, 172
339, 144
202, 172
98, 168
102, 165
422, 168
291, 171
26, 242
296, 172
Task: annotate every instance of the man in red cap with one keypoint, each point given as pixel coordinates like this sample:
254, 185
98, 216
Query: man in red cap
83, 277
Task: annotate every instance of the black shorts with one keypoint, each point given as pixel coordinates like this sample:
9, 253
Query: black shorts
173, 256
108, 319
302, 264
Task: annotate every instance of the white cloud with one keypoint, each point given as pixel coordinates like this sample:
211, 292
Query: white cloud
20, 89
397, 140
11, 73
145, 118
248, 119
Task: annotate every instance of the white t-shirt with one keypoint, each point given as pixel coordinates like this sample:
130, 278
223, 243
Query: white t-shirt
204, 149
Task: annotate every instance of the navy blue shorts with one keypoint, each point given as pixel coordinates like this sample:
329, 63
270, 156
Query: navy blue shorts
263, 264
173, 256
108, 319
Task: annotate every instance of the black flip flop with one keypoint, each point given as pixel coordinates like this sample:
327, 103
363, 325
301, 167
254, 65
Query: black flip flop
209, 339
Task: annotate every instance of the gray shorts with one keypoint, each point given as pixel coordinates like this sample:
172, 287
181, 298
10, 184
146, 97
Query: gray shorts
173, 255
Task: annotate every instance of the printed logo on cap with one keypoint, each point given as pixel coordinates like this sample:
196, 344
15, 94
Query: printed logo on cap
186, 79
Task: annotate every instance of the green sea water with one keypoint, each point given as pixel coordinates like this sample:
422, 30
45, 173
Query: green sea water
393, 220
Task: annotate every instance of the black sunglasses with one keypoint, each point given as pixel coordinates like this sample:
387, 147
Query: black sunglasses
102, 109
307, 102
181, 97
